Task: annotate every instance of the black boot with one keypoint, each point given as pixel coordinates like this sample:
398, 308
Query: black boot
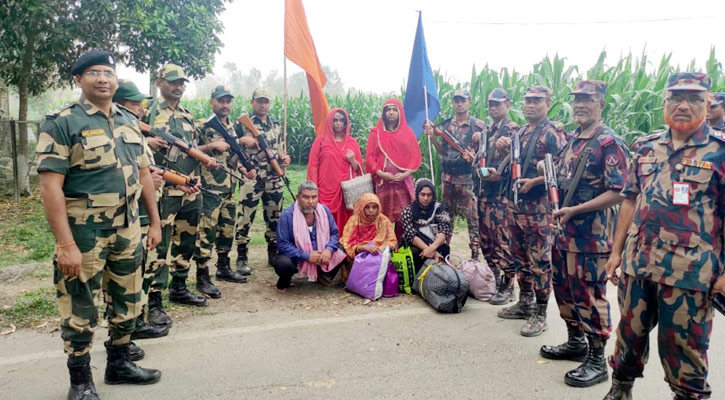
157, 315
271, 253
135, 353
120, 369
148, 331
179, 293
505, 292
574, 349
225, 273
621, 389
524, 309
81, 379
593, 370
242, 261
203, 282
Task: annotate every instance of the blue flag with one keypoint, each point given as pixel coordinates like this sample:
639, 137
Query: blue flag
421, 85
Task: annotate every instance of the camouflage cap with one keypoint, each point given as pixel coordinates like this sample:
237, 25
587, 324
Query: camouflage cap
538, 91
261, 93
499, 95
93, 57
127, 90
462, 92
689, 81
590, 87
172, 72
717, 98
220, 91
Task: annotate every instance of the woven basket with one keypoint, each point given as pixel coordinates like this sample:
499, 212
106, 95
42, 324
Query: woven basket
354, 188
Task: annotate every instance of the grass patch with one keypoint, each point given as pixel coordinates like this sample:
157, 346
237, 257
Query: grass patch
30, 309
24, 233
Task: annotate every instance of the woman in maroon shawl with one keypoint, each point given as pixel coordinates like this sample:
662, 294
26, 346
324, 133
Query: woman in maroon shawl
334, 157
392, 156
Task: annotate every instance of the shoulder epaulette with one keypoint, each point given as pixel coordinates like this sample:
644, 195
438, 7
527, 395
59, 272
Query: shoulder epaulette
649, 138
55, 113
719, 135
557, 125
124, 109
512, 125
479, 123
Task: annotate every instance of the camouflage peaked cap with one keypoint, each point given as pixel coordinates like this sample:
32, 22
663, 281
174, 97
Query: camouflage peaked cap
499, 95
462, 92
261, 93
220, 91
689, 81
717, 98
172, 72
538, 91
590, 87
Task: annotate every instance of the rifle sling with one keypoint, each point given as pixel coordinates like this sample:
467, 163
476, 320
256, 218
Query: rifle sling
581, 163
530, 147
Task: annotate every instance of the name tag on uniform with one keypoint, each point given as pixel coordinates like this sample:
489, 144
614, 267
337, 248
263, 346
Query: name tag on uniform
680, 193
646, 160
93, 132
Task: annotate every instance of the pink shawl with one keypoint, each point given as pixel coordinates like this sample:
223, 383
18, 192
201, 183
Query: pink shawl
304, 243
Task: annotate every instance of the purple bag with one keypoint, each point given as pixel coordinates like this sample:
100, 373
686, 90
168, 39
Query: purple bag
390, 285
368, 273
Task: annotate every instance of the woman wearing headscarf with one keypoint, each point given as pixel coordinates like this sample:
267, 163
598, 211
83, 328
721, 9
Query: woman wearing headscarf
334, 157
427, 226
367, 224
392, 156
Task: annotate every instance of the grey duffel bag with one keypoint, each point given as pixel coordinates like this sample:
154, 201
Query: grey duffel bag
442, 286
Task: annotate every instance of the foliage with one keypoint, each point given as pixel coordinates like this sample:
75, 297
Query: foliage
30, 309
24, 233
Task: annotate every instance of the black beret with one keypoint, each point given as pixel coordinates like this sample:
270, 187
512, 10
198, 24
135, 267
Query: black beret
93, 57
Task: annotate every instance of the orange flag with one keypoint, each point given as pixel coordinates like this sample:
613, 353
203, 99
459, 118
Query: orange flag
300, 49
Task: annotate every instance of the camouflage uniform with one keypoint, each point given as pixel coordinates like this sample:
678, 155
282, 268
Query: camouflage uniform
582, 248
101, 165
218, 211
718, 98
672, 257
180, 213
493, 211
267, 186
457, 175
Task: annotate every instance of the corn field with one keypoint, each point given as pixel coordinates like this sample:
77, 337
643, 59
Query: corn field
634, 98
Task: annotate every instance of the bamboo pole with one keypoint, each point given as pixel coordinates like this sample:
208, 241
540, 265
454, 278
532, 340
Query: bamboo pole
430, 152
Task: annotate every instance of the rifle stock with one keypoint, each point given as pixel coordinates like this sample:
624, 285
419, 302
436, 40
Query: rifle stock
177, 178
552, 185
190, 150
453, 142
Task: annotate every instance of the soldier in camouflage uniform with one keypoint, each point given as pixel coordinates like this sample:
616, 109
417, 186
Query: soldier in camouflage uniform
129, 97
493, 208
267, 185
716, 112
591, 172
218, 211
457, 172
670, 228
93, 171
180, 206
529, 221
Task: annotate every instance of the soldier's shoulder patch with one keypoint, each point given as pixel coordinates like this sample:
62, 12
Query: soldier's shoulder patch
557, 125
62, 111
511, 125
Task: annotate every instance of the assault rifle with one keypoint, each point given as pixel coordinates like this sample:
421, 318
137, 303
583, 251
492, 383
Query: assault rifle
238, 155
264, 145
178, 178
453, 142
516, 164
190, 150
552, 186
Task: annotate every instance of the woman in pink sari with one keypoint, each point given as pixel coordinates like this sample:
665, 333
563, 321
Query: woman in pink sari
392, 156
334, 157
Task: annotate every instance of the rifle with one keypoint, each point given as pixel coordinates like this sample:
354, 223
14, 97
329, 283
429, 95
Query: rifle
718, 301
552, 186
264, 145
178, 178
190, 150
453, 142
237, 153
516, 164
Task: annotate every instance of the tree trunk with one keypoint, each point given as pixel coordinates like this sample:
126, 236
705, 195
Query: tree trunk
23, 93
152, 83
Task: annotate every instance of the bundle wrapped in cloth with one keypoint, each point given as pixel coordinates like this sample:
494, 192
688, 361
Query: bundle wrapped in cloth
442, 286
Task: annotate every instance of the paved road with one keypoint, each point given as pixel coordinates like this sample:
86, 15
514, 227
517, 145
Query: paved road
363, 352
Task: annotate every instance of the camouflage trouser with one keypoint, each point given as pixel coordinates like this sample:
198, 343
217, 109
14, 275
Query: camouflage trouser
111, 264
461, 199
216, 227
683, 337
270, 191
531, 250
180, 217
495, 237
580, 288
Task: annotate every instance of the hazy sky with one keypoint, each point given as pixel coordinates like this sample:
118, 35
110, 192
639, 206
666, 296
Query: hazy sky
370, 42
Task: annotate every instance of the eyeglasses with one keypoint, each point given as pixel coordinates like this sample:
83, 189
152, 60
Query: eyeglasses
692, 100
96, 73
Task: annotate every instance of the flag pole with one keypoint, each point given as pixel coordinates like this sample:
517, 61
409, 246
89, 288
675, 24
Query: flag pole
284, 107
430, 152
